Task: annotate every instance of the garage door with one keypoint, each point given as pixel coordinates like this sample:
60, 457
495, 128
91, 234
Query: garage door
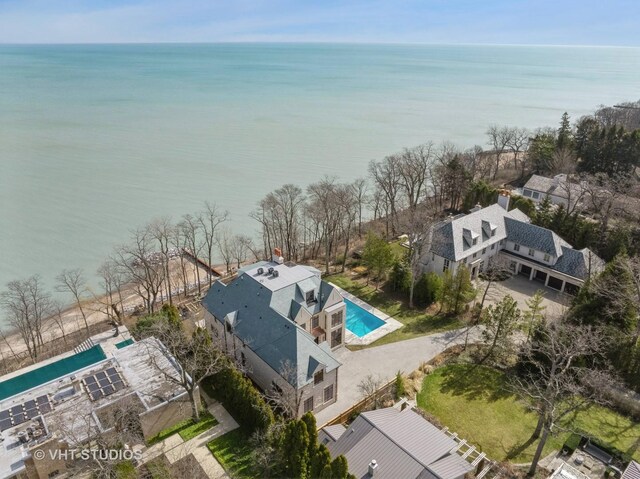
525, 270
555, 283
541, 276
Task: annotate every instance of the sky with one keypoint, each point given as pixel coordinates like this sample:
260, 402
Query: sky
537, 22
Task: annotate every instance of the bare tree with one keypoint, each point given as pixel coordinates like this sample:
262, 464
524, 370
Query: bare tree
196, 354
58, 317
26, 305
360, 189
210, 220
73, 281
322, 196
561, 377
348, 203
112, 281
499, 138
288, 399
414, 167
387, 178
419, 227
518, 143
605, 193
226, 247
241, 247
369, 386
162, 230
190, 230
140, 267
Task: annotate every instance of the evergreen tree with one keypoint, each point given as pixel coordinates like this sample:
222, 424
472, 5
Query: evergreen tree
565, 136
320, 461
462, 290
295, 443
535, 314
400, 277
312, 430
428, 289
400, 391
500, 322
544, 214
339, 468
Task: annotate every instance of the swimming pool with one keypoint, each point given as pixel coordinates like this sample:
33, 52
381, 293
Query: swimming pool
360, 321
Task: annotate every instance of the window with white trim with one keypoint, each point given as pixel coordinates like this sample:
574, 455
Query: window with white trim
532, 252
308, 404
493, 246
328, 393
446, 265
516, 247
484, 250
547, 258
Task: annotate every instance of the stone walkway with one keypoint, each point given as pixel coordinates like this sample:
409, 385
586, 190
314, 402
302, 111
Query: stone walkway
174, 448
384, 362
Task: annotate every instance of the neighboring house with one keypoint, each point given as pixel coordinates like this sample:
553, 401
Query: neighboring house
535, 252
558, 189
281, 321
632, 471
389, 443
67, 401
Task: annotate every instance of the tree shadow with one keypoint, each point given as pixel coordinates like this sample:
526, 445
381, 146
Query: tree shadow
518, 449
474, 383
429, 323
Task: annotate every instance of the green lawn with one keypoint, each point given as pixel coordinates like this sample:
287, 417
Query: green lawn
416, 322
233, 452
473, 401
187, 428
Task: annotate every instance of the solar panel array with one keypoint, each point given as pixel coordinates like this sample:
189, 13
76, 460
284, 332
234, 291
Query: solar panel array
103, 383
20, 413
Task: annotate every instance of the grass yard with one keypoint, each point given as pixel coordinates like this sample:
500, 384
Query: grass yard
416, 322
473, 401
233, 452
187, 428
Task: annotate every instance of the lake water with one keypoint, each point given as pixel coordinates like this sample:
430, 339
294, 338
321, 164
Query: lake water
96, 140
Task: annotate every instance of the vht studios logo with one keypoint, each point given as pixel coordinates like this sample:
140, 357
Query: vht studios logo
86, 454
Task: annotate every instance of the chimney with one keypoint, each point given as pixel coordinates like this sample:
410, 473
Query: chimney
503, 199
373, 465
477, 207
277, 256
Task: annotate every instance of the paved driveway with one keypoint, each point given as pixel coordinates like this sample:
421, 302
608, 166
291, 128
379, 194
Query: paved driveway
521, 289
384, 362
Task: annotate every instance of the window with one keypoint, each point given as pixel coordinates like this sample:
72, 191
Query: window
475, 254
547, 258
244, 359
531, 252
484, 250
336, 337
315, 321
304, 326
516, 247
535, 195
310, 296
493, 233
318, 377
493, 246
464, 261
475, 241
229, 327
328, 393
446, 265
336, 318
308, 404
527, 193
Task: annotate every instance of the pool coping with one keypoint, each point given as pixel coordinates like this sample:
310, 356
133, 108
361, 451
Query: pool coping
390, 325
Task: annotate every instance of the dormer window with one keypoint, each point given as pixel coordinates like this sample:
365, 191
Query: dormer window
516, 247
318, 377
475, 241
531, 252
547, 258
310, 296
493, 233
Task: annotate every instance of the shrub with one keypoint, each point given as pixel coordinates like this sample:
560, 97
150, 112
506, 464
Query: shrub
399, 389
427, 289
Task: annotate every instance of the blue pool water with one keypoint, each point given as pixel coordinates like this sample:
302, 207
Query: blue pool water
361, 321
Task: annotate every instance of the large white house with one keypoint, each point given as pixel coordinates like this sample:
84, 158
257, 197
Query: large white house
535, 252
281, 321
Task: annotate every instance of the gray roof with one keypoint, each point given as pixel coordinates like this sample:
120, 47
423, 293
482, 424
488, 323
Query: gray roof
335, 431
549, 186
632, 471
448, 239
403, 443
536, 237
578, 263
261, 320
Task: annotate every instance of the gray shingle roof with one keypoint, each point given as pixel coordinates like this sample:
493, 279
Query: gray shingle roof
448, 239
536, 237
547, 186
578, 263
403, 443
263, 325
632, 471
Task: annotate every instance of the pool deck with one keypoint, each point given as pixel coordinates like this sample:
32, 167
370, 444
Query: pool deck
389, 326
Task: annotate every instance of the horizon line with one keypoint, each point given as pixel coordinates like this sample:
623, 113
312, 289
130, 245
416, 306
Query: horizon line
315, 42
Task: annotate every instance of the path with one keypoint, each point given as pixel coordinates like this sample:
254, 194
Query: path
175, 448
384, 362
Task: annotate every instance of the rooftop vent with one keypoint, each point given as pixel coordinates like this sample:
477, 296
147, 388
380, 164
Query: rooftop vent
270, 270
260, 270
373, 465
276, 273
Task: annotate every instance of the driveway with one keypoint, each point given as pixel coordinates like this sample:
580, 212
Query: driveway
521, 289
384, 362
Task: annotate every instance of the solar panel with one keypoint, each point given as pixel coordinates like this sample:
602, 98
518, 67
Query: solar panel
30, 404
93, 387
90, 380
104, 382
45, 408
96, 395
107, 390
4, 414
42, 399
112, 372
118, 385
101, 375
19, 419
